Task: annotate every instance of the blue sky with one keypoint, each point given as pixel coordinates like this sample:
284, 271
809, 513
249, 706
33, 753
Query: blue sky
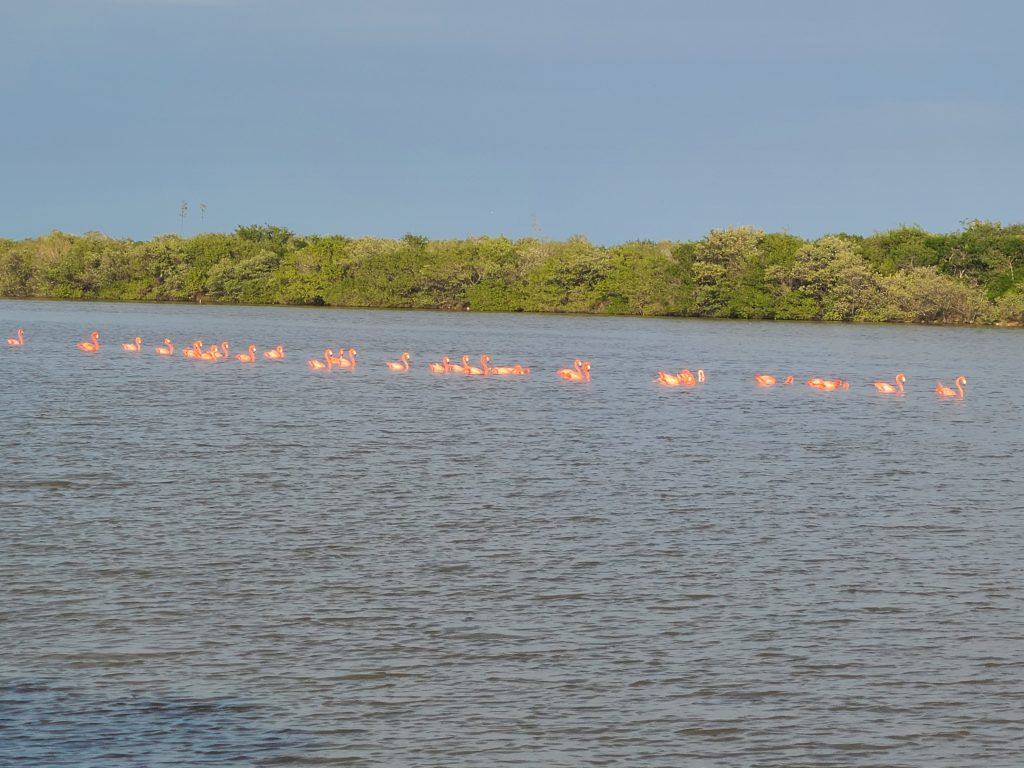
647, 119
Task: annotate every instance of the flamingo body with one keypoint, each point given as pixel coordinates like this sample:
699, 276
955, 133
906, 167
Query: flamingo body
345, 362
399, 367
18, 340
444, 366
508, 370
891, 389
828, 385
90, 346
579, 372
248, 356
957, 394
318, 365
132, 346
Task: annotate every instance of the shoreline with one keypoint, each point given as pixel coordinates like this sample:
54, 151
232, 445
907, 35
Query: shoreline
1003, 325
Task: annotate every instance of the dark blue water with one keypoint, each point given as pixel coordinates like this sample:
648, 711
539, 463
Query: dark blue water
208, 564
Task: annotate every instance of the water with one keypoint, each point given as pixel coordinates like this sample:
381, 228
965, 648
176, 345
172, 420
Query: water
208, 564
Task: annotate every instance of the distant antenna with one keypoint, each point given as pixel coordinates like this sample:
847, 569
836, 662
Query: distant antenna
534, 225
202, 211
182, 213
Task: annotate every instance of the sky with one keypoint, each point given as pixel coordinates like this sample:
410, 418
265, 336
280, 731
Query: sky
618, 120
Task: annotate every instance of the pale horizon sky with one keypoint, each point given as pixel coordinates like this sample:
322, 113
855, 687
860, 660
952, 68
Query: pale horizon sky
649, 119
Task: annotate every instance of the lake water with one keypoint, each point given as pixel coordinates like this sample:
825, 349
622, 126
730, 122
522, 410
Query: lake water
208, 564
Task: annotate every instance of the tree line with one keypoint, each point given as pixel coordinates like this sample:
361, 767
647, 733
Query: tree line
904, 275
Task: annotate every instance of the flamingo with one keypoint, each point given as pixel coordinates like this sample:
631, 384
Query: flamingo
472, 370
888, 389
508, 370
247, 357
958, 393
401, 367
318, 365
277, 353
684, 378
456, 368
579, 372
132, 346
194, 351
668, 379
688, 379
342, 362
215, 353
165, 350
90, 346
765, 380
572, 374
828, 385
19, 340
444, 366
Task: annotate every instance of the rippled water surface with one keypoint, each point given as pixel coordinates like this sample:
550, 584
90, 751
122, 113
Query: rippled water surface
208, 564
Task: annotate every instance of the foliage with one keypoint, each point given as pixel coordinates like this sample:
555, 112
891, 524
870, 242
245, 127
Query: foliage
973, 275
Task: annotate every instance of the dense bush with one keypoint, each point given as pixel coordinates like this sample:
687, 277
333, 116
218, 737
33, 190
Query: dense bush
905, 275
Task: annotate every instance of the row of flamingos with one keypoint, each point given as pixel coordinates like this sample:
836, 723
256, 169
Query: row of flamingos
884, 387
580, 371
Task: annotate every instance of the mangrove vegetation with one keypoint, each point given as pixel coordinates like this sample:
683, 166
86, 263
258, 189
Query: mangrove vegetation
973, 275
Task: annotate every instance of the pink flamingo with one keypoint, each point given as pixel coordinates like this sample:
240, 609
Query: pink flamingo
319, 365
472, 370
943, 391
401, 367
342, 362
889, 389
90, 346
249, 356
444, 366
579, 372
